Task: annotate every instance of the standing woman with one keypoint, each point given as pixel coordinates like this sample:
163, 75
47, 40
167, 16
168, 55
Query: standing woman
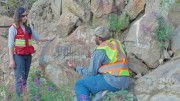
21, 49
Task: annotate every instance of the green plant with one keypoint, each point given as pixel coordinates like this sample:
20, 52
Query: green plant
178, 2
12, 2
162, 32
44, 90
123, 95
40, 89
2, 90
117, 23
165, 5
31, 2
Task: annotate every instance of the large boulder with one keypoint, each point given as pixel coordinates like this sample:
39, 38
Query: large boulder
6, 74
162, 84
101, 7
5, 21
174, 14
137, 66
176, 41
140, 39
78, 8
134, 8
56, 6
66, 23
55, 54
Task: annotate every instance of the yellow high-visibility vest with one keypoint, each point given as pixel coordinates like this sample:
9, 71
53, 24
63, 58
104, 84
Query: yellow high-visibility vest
118, 65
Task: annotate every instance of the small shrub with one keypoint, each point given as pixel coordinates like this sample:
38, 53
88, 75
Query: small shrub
117, 23
41, 89
162, 32
2, 90
178, 2
120, 95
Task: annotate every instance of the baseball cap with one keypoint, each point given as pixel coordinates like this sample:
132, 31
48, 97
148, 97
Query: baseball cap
102, 32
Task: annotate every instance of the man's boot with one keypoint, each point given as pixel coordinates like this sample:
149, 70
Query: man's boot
99, 96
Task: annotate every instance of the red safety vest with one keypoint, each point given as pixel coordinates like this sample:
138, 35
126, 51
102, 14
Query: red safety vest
23, 42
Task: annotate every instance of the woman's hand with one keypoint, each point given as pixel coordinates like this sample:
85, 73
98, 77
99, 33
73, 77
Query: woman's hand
12, 64
51, 38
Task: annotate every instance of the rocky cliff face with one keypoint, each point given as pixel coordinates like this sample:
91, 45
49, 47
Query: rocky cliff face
73, 22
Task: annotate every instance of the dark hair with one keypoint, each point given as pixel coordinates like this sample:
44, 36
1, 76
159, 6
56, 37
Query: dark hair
17, 15
18, 18
103, 39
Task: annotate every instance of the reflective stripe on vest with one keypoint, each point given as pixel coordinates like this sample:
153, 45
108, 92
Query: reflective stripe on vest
118, 69
113, 51
23, 42
30, 42
118, 65
20, 42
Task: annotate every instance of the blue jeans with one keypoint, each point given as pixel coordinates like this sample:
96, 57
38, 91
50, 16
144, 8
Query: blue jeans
91, 85
21, 71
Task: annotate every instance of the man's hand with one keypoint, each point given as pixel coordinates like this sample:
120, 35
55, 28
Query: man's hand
71, 64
